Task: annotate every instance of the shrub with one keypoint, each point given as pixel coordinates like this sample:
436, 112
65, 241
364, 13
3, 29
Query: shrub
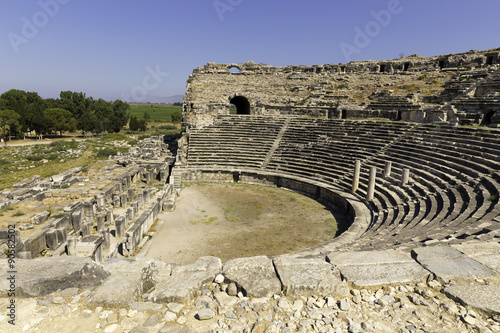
167, 127
143, 125
493, 198
133, 123
176, 117
35, 158
18, 213
63, 145
105, 152
115, 137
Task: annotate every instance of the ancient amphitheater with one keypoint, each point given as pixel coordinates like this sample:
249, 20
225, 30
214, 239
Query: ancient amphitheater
408, 149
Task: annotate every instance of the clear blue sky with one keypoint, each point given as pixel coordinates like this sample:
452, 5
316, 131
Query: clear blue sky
105, 47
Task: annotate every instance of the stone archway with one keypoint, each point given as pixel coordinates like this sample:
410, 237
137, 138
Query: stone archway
241, 103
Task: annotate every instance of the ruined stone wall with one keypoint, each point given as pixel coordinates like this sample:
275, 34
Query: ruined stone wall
330, 91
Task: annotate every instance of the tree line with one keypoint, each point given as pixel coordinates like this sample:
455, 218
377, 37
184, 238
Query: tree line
22, 112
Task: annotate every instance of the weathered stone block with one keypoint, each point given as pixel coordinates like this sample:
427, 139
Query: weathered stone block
483, 297
40, 218
109, 216
120, 226
123, 200
185, 282
128, 281
308, 277
106, 238
374, 268
90, 246
43, 276
76, 219
450, 264
255, 276
487, 253
37, 243
85, 229
71, 247
62, 235
100, 222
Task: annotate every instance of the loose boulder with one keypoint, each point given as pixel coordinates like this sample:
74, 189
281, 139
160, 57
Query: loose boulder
186, 281
43, 276
307, 277
255, 276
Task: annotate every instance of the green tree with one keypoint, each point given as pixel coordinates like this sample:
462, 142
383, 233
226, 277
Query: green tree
29, 105
9, 123
103, 113
75, 102
59, 120
34, 117
16, 100
120, 115
143, 125
133, 124
147, 117
176, 117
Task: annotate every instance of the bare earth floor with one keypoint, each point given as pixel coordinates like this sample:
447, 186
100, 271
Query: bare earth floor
238, 220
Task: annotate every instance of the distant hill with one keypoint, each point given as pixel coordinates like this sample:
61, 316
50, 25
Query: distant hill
160, 100
173, 99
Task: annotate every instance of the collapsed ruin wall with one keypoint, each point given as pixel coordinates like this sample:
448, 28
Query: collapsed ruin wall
123, 207
456, 87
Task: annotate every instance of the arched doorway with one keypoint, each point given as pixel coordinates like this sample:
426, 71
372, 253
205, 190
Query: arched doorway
241, 103
487, 117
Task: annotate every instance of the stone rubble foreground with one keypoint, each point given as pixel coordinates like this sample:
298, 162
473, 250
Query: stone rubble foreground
284, 294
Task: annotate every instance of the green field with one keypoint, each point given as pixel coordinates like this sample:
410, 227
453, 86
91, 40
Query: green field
157, 112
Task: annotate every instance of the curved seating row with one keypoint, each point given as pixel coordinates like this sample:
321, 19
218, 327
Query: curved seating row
455, 171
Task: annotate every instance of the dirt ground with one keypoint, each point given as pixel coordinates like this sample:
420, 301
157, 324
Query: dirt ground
237, 220
31, 142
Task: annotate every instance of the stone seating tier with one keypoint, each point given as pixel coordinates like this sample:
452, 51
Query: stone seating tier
454, 170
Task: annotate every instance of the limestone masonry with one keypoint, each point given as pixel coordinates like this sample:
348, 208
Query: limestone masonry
460, 87
380, 141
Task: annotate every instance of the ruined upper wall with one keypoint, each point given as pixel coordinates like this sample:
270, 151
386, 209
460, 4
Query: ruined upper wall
325, 90
470, 59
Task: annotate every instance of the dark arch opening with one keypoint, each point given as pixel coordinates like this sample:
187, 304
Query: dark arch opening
488, 116
242, 104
